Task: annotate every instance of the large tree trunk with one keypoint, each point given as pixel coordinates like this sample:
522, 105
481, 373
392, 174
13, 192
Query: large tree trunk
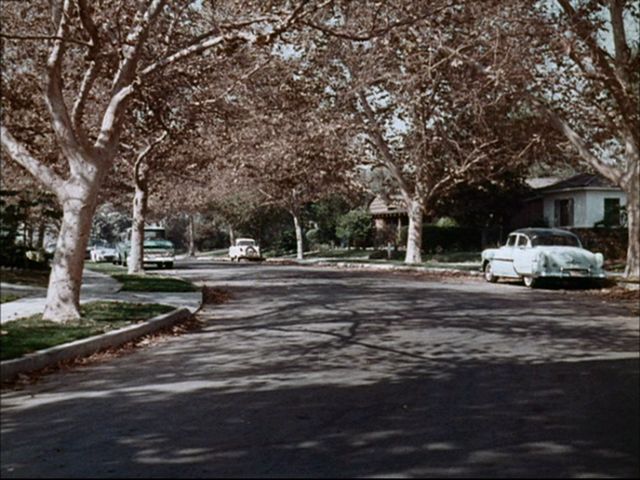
63, 294
192, 236
632, 189
299, 239
414, 235
232, 236
135, 261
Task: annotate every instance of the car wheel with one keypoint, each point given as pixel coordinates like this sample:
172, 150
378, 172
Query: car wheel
530, 282
169, 264
488, 273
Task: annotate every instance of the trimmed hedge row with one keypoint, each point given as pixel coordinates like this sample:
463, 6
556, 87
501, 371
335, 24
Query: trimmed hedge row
440, 239
611, 242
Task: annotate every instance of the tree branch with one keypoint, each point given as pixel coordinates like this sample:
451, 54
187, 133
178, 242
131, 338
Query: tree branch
22, 157
574, 138
54, 97
92, 71
9, 36
376, 136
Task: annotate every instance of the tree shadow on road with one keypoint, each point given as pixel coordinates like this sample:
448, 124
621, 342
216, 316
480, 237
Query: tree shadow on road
350, 377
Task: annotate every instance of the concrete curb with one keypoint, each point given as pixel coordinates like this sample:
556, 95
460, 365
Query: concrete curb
377, 266
84, 347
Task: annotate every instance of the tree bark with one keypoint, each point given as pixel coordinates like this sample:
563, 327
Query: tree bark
135, 261
632, 189
192, 236
232, 236
63, 294
414, 236
299, 239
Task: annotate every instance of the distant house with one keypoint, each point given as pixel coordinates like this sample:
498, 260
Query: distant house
389, 215
388, 210
582, 201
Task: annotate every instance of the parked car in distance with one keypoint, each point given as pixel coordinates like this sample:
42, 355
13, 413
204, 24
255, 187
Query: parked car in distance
157, 249
245, 248
103, 252
534, 254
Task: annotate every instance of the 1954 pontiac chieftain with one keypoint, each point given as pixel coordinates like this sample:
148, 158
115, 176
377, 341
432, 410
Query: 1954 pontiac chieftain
532, 254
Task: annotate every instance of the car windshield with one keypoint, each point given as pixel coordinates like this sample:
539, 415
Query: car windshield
245, 243
555, 240
154, 235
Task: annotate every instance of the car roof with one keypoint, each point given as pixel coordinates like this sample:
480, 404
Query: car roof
541, 232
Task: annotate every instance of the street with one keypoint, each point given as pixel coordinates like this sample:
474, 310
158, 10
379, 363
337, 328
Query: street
312, 372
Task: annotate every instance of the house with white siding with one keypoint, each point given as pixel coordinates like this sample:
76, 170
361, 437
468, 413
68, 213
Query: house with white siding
582, 201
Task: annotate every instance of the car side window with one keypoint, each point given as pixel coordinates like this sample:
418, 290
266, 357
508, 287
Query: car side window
511, 241
522, 241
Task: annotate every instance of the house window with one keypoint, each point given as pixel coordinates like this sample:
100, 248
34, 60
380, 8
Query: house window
563, 212
612, 212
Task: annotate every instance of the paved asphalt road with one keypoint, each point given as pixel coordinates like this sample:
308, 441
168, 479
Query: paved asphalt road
327, 373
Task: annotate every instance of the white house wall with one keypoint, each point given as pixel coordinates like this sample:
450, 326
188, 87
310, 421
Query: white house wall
588, 206
595, 204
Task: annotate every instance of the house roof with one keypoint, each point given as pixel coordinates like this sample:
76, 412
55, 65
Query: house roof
541, 182
391, 204
580, 182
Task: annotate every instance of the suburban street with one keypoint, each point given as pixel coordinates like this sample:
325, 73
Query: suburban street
321, 372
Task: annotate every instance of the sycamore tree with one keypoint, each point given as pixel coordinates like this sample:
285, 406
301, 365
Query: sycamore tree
578, 63
589, 87
430, 119
69, 70
291, 151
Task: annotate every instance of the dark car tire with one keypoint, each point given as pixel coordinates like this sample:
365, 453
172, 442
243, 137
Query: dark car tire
488, 273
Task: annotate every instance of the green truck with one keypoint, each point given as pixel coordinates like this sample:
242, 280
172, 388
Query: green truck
157, 249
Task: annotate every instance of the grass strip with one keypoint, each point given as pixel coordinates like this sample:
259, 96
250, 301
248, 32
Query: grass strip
22, 336
153, 283
8, 297
143, 283
37, 278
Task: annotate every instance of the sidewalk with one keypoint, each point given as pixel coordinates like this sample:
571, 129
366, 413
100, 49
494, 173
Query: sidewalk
95, 286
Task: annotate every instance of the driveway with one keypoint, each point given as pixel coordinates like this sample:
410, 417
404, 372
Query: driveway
327, 373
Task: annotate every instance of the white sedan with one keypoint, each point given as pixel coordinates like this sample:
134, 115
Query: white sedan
532, 254
103, 252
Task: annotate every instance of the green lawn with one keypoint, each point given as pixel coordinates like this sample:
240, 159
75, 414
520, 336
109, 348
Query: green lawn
105, 267
32, 333
37, 278
8, 297
153, 283
149, 282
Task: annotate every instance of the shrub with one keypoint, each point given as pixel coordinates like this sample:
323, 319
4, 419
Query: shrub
446, 239
355, 228
382, 255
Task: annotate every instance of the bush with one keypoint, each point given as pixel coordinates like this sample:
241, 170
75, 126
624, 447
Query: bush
446, 239
382, 255
313, 237
378, 255
611, 242
355, 228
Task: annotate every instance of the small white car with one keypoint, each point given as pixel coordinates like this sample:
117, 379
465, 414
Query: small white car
532, 254
245, 248
103, 252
